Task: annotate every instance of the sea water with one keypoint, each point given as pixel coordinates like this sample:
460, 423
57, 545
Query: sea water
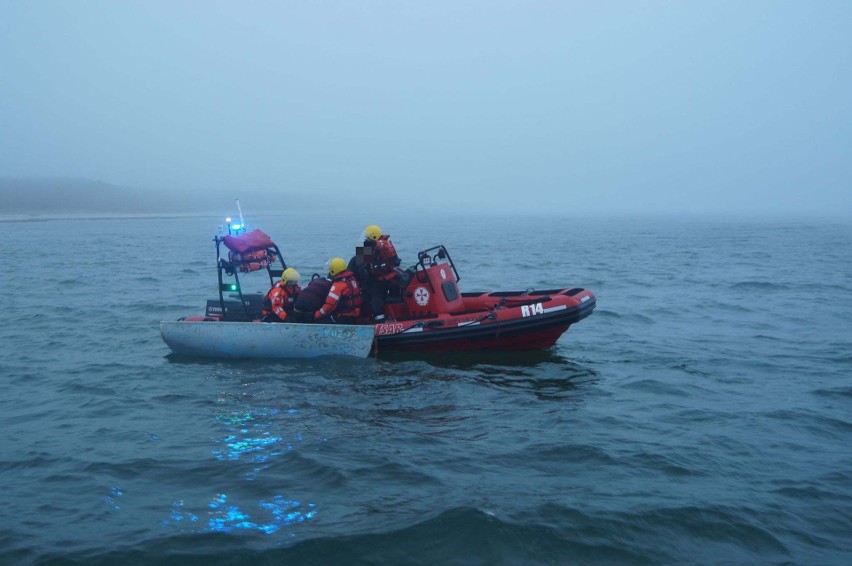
702, 414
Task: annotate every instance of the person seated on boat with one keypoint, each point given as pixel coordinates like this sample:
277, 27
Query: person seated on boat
343, 302
311, 299
279, 302
381, 265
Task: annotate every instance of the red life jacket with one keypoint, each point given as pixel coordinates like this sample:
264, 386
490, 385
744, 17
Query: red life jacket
384, 258
344, 297
251, 261
279, 300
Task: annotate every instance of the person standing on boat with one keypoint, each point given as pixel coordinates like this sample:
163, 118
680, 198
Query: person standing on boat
381, 262
279, 301
343, 302
359, 262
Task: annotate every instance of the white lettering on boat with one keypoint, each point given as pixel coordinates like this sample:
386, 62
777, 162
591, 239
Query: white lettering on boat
532, 310
390, 328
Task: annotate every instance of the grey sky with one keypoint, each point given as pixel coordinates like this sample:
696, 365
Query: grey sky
541, 106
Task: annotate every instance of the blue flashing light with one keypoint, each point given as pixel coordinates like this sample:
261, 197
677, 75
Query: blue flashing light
236, 226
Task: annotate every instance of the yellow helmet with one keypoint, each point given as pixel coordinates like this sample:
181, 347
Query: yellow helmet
290, 275
372, 232
335, 265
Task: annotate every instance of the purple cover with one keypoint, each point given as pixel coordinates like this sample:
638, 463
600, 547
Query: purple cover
248, 242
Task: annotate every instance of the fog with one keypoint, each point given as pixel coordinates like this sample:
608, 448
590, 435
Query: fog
540, 107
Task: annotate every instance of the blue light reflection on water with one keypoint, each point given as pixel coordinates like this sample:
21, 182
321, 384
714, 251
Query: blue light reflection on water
178, 515
112, 499
269, 517
239, 447
250, 440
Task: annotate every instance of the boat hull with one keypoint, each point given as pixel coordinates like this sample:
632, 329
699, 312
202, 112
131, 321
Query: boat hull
213, 339
520, 327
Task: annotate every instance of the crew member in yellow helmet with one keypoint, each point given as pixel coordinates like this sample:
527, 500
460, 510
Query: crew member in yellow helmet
343, 302
380, 268
278, 303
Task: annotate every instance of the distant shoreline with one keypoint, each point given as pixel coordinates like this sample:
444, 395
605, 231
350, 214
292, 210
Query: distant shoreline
34, 199
42, 200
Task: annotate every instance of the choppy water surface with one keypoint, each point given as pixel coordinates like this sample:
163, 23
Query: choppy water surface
703, 413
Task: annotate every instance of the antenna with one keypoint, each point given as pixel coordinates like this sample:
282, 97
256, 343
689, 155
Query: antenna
240, 210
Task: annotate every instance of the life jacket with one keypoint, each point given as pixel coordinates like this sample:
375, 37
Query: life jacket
344, 298
279, 301
313, 296
252, 261
384, 259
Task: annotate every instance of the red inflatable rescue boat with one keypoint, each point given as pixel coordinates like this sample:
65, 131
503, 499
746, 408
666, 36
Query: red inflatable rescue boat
431, 314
